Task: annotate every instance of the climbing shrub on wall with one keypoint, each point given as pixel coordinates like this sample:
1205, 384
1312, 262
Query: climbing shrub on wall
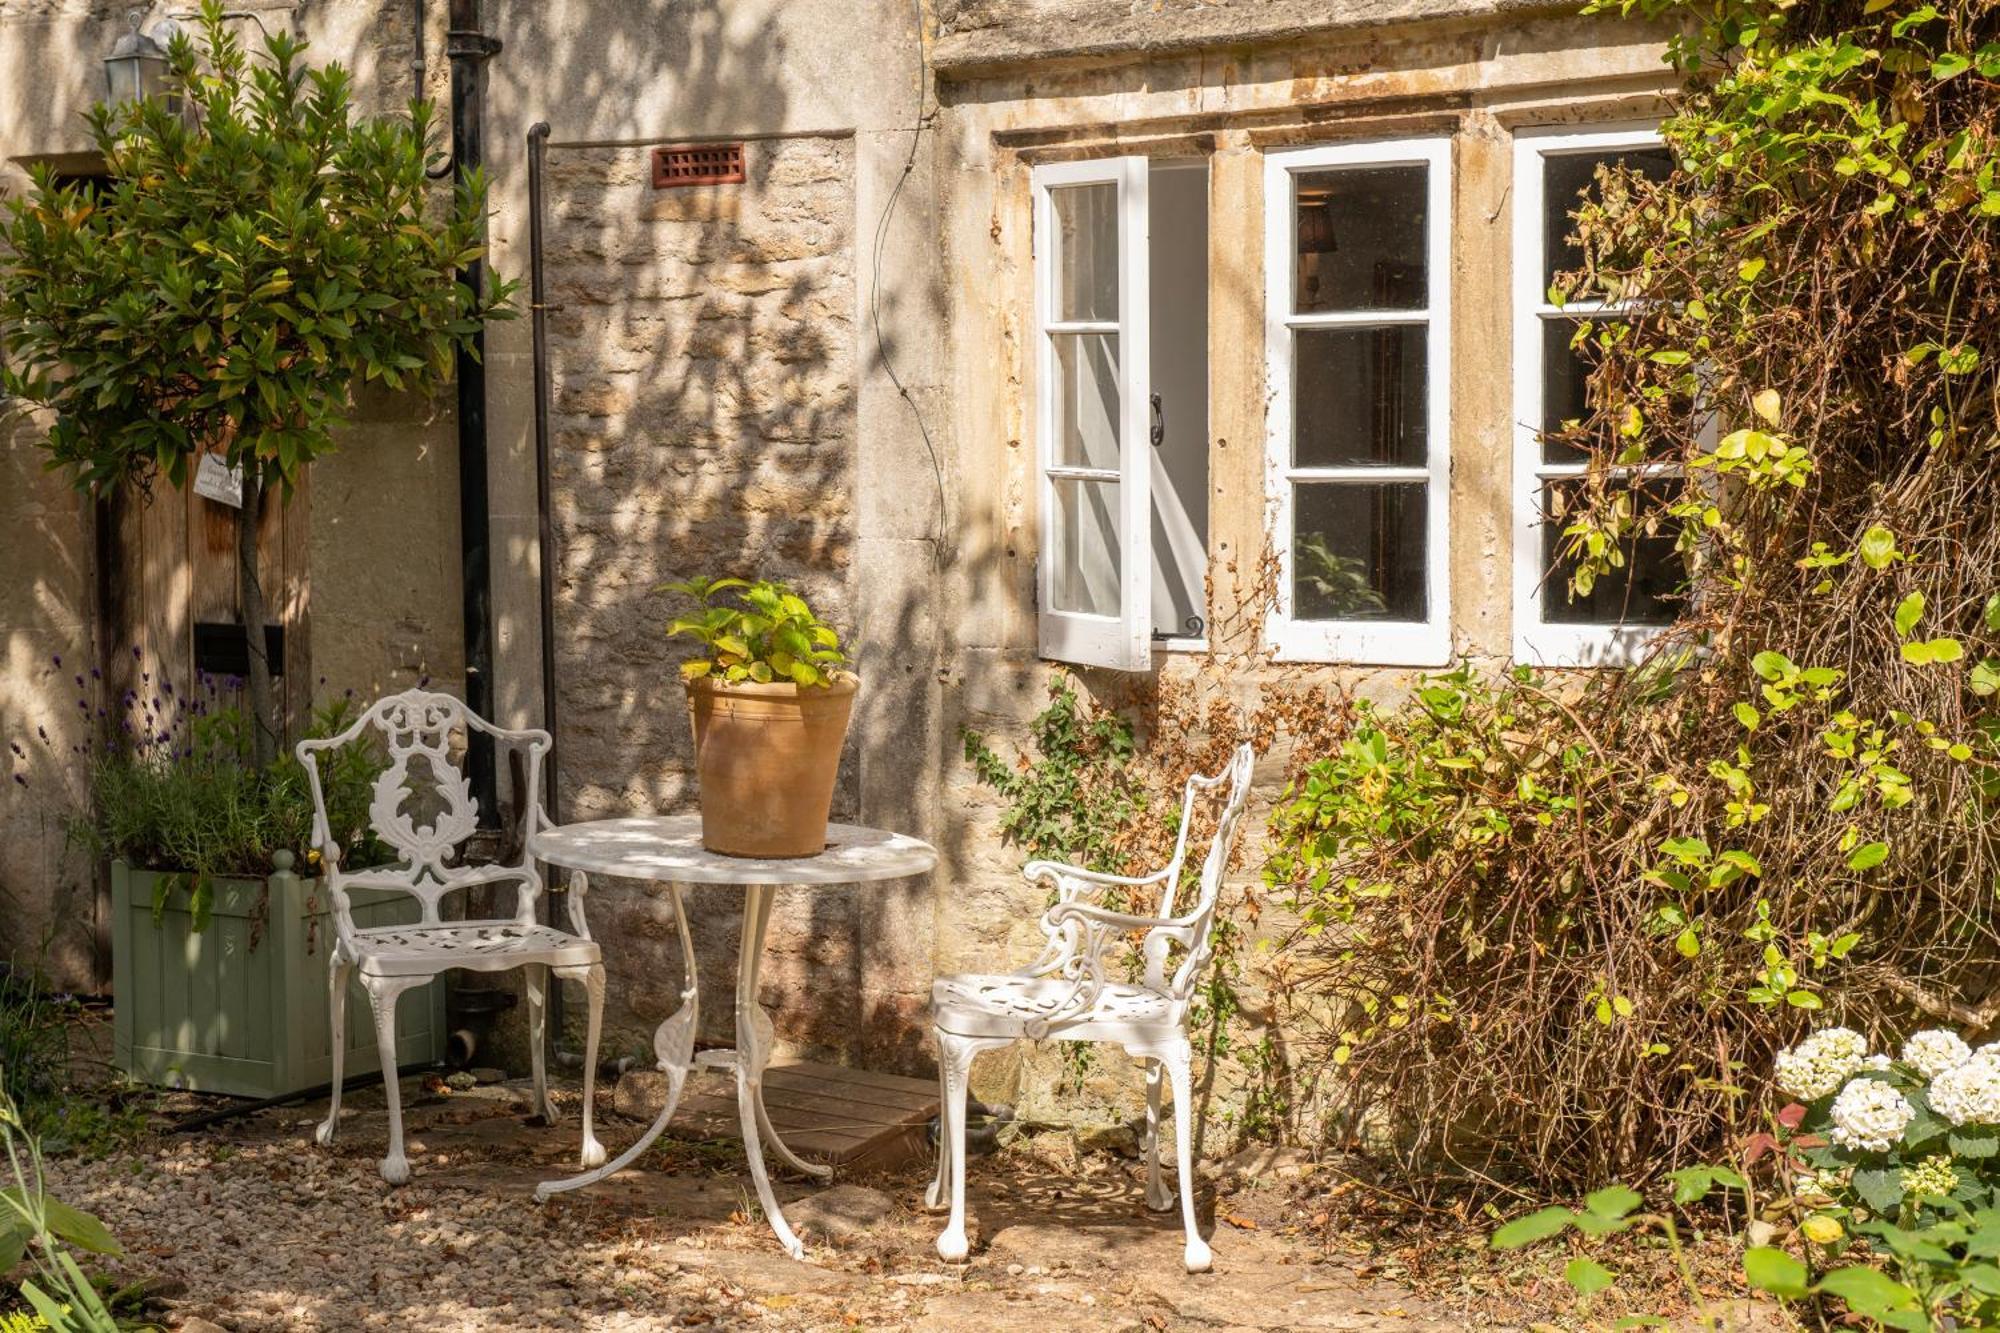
1562, 924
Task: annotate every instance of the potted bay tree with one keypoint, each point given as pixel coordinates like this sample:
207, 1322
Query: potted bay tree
255, 253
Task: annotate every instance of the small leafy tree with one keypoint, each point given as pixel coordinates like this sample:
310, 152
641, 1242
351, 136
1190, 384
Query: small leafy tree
258, 254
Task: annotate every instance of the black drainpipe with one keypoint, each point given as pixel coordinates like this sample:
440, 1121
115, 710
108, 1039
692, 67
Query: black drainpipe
538, 142
469, 49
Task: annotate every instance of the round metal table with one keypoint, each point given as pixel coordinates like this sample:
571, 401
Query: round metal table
667, 849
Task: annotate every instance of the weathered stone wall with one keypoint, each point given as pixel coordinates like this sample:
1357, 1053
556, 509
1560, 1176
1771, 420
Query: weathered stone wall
1170, 82
702, 376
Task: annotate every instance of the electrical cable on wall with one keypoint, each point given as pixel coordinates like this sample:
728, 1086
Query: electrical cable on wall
940, 542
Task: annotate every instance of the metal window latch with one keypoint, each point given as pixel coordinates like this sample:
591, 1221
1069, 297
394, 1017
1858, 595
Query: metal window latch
1159, 430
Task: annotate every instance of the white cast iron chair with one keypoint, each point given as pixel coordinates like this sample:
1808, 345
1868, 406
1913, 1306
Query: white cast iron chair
1067, 995
418, 725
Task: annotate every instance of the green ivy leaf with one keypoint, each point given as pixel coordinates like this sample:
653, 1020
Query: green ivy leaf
1869, 1292
1748, 716
1536, 1226
1950, 65
1984, 678
1868, 856
1771, 665
1878, 547
1587, 1276
1926, 652
1612, 1202
1908, 612
1770, 1269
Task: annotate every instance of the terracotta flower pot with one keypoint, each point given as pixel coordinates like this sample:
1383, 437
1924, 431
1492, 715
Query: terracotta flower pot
767, 757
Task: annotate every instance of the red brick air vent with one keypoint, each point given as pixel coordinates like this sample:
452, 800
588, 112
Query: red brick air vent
697, 164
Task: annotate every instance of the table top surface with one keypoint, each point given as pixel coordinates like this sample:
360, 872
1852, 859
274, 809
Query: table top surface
668, 848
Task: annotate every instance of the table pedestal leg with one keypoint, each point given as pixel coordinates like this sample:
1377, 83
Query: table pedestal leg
673, 1047
752, 1053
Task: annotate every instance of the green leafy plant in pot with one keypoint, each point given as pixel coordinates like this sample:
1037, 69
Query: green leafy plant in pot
770, 701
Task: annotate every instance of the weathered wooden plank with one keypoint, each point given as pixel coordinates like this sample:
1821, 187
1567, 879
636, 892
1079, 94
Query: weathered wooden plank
164, 630
842, 1116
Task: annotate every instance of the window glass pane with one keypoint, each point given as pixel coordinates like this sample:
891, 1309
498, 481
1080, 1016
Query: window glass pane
1086, 400
1086, 250
1641, 592
1358, 551
1084, 545
1565, 383
1567, 178
1360, 237
1358, 396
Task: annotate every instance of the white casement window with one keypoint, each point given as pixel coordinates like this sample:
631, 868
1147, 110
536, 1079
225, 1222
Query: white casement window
1553, 626
1121, 315
1358, 301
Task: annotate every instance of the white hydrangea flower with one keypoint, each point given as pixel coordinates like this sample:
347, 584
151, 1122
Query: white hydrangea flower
1935, 1050
1869, 1115
1877, 1062
1990, 1048
1970, 1093
1820, 1063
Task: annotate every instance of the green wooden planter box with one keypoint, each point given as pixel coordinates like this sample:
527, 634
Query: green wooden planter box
204, 1010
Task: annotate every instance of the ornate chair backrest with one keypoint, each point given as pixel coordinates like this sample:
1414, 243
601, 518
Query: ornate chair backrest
1194, 936
423, 812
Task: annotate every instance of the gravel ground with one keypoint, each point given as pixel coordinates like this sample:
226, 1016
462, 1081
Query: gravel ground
251, 1227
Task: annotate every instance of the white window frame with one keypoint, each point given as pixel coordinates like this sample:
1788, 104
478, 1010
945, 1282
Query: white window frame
1539, 642
1368, 642
1123, 642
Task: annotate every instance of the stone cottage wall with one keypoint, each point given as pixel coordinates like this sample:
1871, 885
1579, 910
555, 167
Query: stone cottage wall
702, 373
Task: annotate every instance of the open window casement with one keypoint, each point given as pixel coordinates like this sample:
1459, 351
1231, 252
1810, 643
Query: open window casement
1095, 575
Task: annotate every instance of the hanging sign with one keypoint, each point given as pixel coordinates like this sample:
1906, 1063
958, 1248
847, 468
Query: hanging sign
214, 481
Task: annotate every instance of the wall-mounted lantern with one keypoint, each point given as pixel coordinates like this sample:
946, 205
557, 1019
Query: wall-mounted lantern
136, 67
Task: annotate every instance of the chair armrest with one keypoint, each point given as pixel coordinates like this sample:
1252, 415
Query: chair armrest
1105, 917
1056, 870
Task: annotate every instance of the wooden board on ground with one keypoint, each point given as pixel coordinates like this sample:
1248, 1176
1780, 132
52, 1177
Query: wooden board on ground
848, 1117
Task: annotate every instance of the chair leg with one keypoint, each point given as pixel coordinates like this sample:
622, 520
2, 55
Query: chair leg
1158, 1197
1176, 1059
337, 973
955, 1055
383, 993
536, 978
593, 985
936, 1196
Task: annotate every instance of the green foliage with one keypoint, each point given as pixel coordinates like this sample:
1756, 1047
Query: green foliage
259, 253
771, 634
1075, 800
180, 793
36, 1072
1618, 1208
1548, 921
38, 1227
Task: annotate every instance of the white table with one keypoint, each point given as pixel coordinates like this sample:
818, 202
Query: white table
667, 850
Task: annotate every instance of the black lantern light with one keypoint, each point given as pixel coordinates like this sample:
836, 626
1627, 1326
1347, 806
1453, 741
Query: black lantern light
136, 67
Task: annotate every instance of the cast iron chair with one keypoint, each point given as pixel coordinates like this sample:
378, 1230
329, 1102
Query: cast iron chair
418, 725
1066, 995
